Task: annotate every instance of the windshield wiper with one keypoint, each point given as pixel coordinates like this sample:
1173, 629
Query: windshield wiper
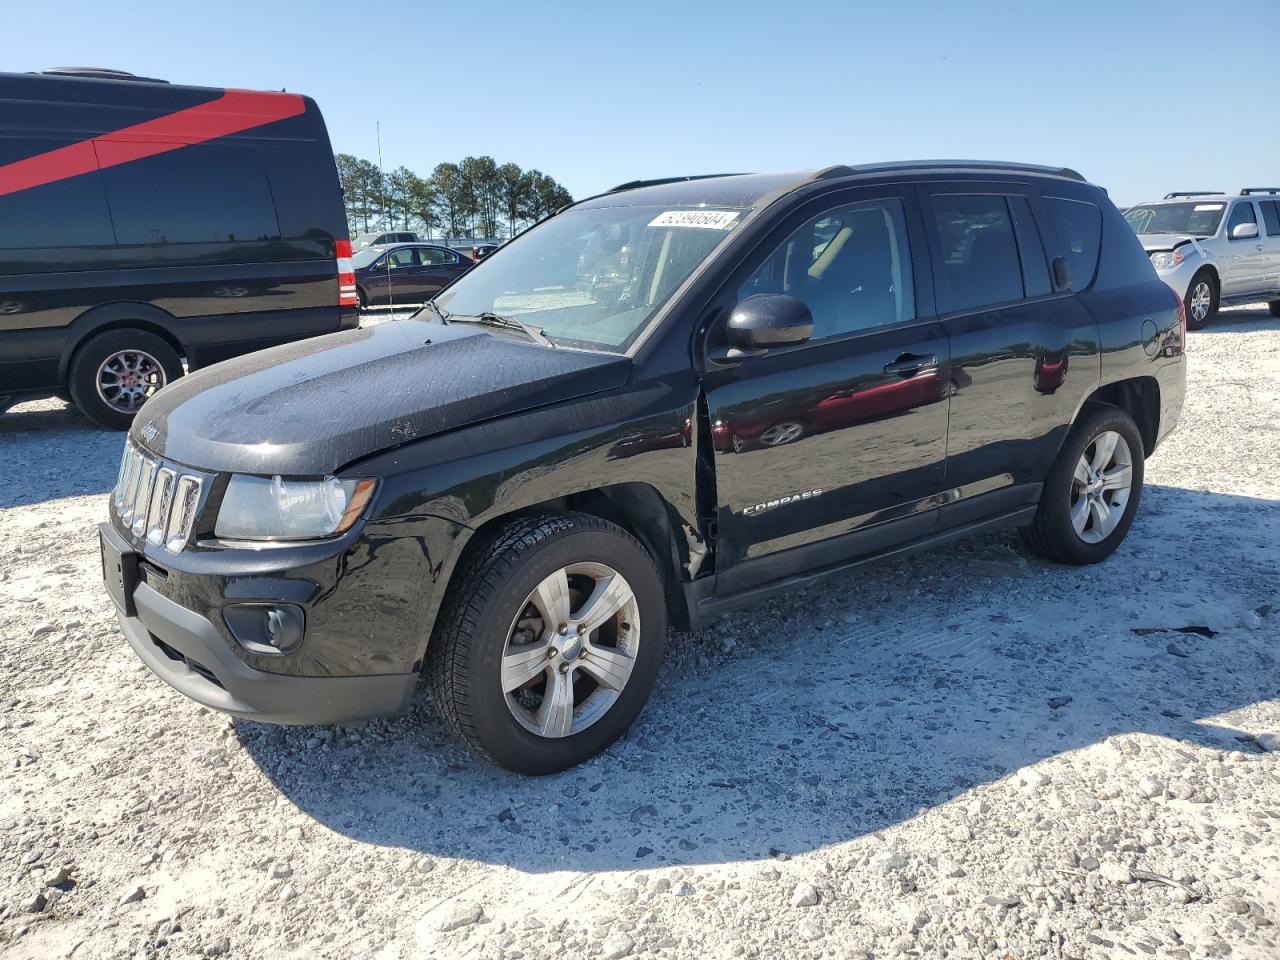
488, 318
444, 317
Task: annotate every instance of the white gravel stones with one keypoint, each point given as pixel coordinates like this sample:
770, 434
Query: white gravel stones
131, 894
804, 895
616, 946
1032, 779
810, 929
447, 917
1114, 872
1150, 788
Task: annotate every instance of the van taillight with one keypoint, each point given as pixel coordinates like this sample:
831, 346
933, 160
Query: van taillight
347, 295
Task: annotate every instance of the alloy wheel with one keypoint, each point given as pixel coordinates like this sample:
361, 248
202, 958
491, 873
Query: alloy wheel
571, 649
126, 379
785, 432
1101, 486
1201, 300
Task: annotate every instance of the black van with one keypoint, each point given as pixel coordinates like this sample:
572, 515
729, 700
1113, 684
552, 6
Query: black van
143, 222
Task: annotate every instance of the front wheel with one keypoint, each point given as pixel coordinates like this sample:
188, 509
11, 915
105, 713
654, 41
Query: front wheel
549, 643
1201, 302
1092, 491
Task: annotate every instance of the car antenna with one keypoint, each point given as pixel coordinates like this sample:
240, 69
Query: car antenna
382, 191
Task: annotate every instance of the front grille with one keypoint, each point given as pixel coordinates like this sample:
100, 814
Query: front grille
156, 500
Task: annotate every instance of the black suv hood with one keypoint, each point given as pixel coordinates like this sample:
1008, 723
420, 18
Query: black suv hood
311, 407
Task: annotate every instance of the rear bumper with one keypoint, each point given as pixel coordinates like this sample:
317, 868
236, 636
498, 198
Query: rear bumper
185, 651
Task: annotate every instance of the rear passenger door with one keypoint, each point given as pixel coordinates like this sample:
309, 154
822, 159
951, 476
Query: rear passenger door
1022, 349
439, 268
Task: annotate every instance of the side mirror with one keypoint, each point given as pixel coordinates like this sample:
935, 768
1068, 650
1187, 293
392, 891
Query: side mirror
1244, 231
766, 320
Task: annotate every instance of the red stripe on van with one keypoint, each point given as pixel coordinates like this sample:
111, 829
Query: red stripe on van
233, 112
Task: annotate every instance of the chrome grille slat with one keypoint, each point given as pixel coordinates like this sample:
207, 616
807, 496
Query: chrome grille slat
156, 500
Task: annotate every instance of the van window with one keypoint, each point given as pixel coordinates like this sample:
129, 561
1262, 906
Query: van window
1271, 217
200, 194
1035, 269
851, 267
1079, 226
66, 213
980, 264
1242, 212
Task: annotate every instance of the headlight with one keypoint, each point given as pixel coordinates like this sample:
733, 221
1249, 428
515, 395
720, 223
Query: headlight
272, 508
1167, 260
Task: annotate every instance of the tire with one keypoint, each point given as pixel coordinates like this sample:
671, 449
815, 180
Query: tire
154, 365
364, 298
1202, 284
1053, 533
491, 607
1274, 307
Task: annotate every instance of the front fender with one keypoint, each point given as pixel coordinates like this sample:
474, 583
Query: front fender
640, 433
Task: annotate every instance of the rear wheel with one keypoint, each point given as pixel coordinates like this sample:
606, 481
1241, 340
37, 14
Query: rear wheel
114, 373
549, 643
1202, 300
1092, 491
1274, 307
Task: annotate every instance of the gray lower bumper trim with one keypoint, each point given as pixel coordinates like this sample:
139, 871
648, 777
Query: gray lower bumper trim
241, 690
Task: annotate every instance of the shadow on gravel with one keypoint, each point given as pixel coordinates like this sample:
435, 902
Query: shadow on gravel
842, 710
50, 451
1249, 319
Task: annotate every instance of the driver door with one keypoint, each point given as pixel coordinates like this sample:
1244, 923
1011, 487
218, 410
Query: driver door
834, 447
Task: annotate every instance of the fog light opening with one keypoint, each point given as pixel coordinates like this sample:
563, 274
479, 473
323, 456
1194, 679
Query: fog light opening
270, 629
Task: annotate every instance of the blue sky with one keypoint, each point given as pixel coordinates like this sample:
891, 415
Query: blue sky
1141, 98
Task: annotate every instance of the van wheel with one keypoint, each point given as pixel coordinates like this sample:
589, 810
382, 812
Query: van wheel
1201, 302
364, 298
1092, 490
1274, 307
114, 373
549, 643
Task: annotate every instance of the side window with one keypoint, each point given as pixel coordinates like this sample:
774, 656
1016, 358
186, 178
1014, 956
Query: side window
851, 266
1271, 217
980, 263
193, 194
68, 212
1079, 227
404, 257
1035, 269
1242, 212
434, 256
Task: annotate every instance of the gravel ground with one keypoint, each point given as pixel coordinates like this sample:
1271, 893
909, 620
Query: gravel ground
970, 753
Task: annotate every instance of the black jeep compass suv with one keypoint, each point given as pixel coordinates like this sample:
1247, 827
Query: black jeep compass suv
662, 402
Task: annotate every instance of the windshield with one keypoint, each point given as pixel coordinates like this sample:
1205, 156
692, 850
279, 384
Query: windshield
365, 257
592, 277
1192, 219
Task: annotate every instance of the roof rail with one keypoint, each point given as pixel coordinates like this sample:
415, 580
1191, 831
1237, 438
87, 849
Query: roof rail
1192, 193
960, 164
98, 73
637, 184
1248, 190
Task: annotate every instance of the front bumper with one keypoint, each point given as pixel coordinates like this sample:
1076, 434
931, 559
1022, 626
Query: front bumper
1178, 279
189, 653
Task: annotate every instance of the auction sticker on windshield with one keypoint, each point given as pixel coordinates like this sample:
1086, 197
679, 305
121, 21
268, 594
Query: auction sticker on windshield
707, 219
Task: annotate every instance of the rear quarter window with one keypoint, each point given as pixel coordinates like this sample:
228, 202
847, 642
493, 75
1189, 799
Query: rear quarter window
1079, 228
211, 193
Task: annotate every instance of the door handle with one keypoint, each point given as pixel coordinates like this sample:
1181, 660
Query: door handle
909, 364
